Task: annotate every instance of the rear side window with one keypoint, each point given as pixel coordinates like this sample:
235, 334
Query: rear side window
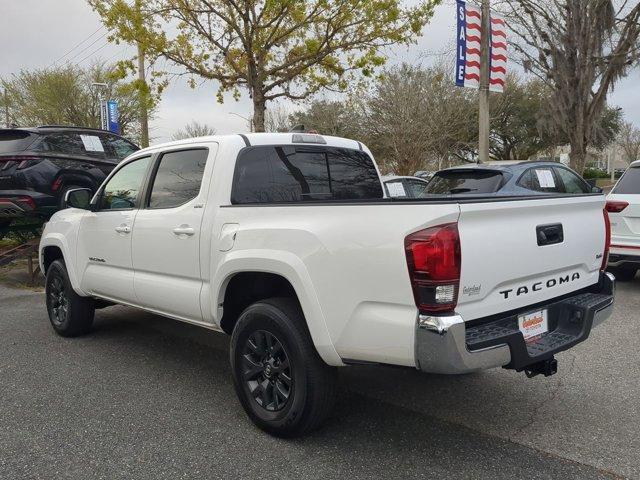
629, 183
287, 173
178, 178
465, 181
85, 144
15, 140
540, 180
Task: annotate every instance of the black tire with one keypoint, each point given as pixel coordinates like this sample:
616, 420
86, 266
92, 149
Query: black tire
69, 313
5, 223
312, 383
624, 274
63, 193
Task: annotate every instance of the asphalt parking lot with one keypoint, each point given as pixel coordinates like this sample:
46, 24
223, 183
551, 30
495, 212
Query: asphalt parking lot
147, 397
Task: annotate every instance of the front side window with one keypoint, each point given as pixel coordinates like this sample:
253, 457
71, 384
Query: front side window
178, 178
572, 182
122, 191
289, 173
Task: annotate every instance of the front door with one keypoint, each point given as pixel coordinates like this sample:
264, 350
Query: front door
167, 234
104, 239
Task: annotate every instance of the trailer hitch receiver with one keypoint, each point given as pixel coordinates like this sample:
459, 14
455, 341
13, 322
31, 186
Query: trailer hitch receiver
545, 367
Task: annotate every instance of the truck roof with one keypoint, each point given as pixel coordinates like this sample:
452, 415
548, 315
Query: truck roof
251, 139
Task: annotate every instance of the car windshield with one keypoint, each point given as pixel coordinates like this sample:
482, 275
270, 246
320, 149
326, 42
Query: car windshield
464, 181
15, 140
629, 183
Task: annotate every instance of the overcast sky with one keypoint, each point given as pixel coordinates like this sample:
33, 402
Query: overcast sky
37, 33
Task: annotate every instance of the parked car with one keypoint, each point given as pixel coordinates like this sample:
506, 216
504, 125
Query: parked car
39, 165
424, 174
623, 205
404, 187
509, 178
285, 242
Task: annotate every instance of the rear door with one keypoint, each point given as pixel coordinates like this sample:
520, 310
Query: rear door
518, 253
167, 233
625, 212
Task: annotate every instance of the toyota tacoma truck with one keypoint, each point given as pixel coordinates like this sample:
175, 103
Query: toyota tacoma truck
287, 243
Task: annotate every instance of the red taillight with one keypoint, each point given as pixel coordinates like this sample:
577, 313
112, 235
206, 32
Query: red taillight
607, 239
433, 258
56, 184
615, 206
24, 161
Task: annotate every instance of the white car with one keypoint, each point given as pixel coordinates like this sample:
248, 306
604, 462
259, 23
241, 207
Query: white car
286, 243
623, 205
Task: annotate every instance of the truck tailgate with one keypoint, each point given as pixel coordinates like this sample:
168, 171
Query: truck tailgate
517, 253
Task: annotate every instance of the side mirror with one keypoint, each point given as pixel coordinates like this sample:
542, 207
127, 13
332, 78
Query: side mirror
595, 189
78, 198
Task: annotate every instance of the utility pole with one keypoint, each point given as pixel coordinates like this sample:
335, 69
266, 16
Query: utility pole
485, 49
144, 115
6, 109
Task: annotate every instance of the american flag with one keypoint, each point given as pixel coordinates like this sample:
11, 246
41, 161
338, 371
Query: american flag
469, 37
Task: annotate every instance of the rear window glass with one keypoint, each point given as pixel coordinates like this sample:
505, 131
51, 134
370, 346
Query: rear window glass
15, 140
288, 173
465, 181
629, 183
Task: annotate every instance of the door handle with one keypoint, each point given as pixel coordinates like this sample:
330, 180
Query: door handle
123, 229
184, 230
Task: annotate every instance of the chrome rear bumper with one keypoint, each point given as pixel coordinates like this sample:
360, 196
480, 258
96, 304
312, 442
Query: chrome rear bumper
441, 342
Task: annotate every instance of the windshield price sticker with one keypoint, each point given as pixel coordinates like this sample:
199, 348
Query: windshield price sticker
396, 189
545, 178
92, 143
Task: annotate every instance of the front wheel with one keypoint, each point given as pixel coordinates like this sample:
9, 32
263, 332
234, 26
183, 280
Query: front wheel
69, 313
281, 381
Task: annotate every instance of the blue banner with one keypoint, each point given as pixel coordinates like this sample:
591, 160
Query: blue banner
461, 39
112, 116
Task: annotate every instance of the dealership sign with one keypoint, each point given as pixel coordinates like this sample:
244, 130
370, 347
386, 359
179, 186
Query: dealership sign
469, 38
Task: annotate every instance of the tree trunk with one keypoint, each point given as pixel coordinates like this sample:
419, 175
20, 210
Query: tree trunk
259, 109
578, 155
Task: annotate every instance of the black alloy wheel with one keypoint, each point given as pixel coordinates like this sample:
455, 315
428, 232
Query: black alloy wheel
267, 371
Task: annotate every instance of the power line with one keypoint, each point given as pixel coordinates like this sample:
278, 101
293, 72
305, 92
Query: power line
92, 53
87, 47
76, 46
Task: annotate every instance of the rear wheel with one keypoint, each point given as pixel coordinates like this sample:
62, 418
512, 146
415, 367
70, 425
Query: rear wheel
624, 274
69, 313
281, 381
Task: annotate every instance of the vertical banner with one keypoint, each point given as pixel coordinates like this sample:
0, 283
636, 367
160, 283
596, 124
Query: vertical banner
469, 37
498, 52
112, 116
468, 40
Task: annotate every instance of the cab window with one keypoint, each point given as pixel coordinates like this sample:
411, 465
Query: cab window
122, 191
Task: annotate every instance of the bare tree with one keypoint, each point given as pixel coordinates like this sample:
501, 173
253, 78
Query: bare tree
193, 129
276, 119
629, 141
580, 49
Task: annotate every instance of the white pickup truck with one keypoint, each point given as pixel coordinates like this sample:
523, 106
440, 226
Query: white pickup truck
286, 243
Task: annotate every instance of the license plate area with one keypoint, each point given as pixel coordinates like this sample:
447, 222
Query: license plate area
533, 324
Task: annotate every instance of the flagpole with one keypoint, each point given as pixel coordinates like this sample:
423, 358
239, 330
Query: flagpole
483, 103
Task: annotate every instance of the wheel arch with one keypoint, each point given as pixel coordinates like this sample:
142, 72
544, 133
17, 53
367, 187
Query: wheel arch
54, 247
285, 277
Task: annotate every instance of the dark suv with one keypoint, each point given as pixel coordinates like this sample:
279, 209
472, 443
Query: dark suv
39, 165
